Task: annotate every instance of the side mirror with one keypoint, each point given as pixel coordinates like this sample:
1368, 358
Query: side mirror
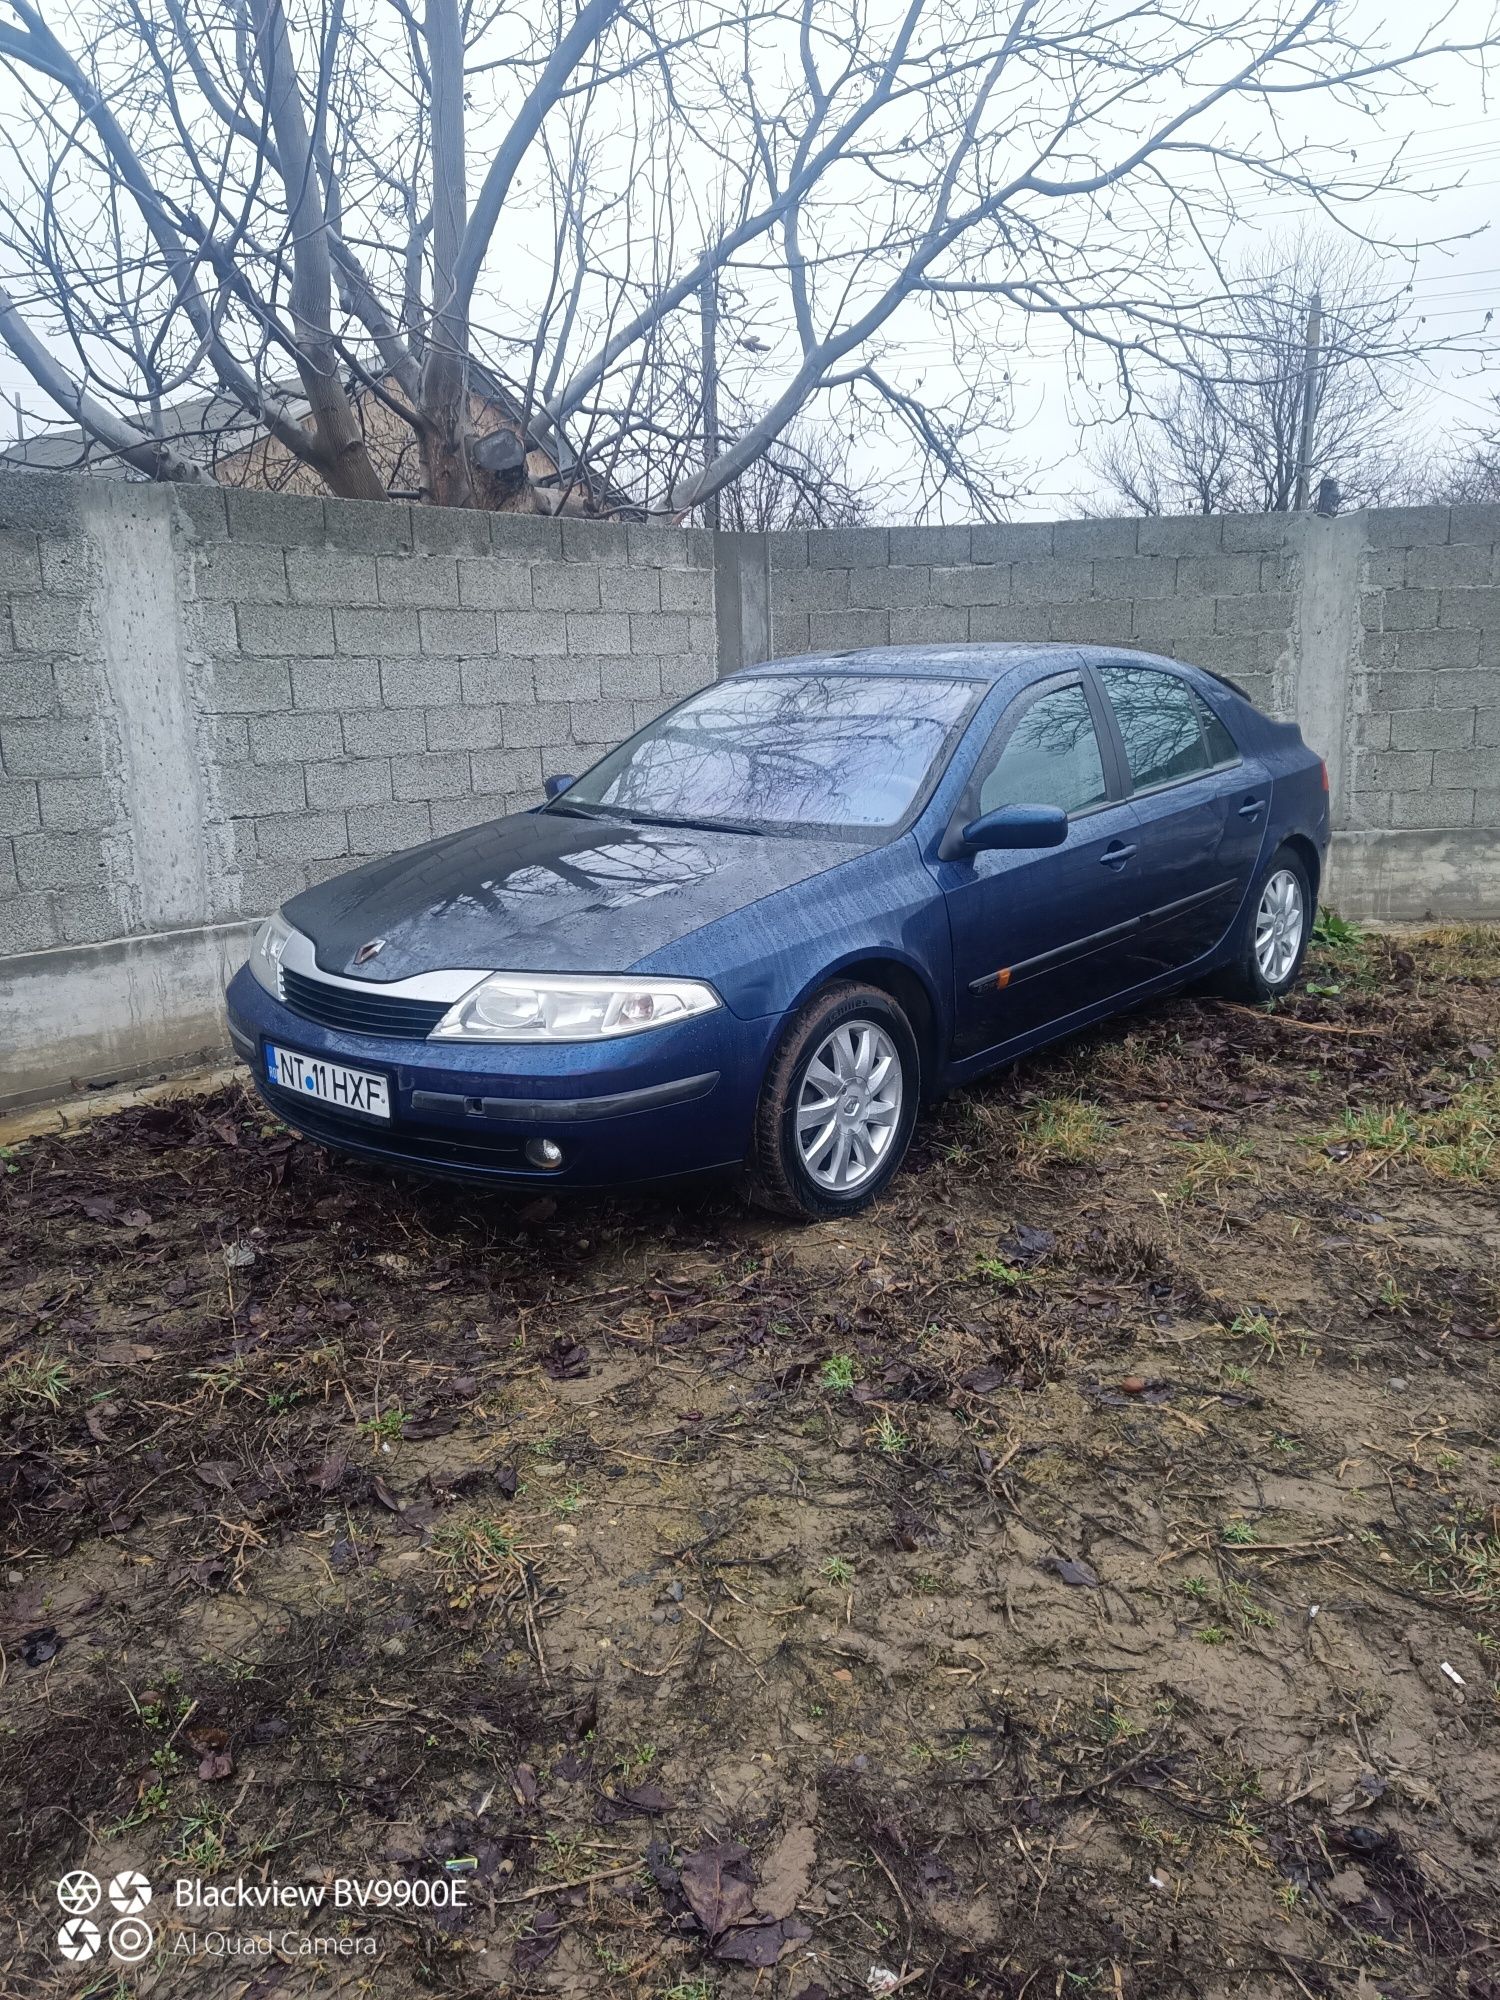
1018, 826
553, 788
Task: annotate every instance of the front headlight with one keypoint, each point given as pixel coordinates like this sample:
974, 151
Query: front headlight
570, 1007
271, 940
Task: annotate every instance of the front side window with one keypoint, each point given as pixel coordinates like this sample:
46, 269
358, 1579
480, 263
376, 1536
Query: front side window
783, 751
1051, 758
1158, 718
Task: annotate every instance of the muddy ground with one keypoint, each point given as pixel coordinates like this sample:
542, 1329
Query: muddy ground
1078, 1576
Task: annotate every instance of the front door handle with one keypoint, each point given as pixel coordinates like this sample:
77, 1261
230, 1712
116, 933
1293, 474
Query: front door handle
1116, 854
1251, 807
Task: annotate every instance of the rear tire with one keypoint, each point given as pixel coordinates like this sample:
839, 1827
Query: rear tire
1275, 933
838, 1105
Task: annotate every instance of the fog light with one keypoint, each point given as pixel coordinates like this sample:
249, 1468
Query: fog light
544, 1153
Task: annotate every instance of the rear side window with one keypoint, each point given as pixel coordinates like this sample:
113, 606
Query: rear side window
1051, 759
1159, 722
1222, 748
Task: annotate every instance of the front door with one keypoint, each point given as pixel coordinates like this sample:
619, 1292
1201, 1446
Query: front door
1040, 935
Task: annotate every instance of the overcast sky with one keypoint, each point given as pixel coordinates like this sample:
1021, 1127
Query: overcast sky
1452, 141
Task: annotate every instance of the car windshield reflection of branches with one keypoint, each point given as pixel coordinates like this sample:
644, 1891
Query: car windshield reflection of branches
785, 751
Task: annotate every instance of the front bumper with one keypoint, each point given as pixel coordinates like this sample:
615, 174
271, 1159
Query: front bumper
676, 1101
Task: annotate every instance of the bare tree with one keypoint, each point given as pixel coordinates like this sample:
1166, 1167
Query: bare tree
420, 215
1463, 471
1224, 434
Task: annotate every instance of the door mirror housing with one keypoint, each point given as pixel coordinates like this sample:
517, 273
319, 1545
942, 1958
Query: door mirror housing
1017, 826
553, 788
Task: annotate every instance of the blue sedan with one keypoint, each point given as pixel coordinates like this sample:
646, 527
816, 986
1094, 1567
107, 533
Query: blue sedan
765, 930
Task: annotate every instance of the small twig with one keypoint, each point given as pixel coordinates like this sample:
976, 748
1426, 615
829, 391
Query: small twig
1291, 1021
580, 1882
716, 1634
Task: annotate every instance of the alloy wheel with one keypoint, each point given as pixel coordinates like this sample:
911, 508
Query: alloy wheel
849, 1105
1278, 926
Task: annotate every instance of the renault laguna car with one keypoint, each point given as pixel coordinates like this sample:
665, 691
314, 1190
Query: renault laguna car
765, 930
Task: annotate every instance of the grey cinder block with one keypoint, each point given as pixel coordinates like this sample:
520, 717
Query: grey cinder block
418, 583
371, 631
327, 575
494, 586
59, 860
336, 684
606, 631
301, 836
419, 683
386, 829
51, 749
387, 732
76, 805
282, 631
466, 632
430, 774
289, 739
352, 781
227, 572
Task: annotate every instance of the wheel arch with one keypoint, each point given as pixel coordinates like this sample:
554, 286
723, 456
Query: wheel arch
1307, 853
908, 988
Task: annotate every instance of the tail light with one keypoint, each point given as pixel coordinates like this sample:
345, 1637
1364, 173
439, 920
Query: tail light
1323, 769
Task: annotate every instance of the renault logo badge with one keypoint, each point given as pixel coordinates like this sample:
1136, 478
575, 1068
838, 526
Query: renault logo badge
368, 951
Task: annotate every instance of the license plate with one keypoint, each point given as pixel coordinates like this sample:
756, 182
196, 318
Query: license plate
345, 1089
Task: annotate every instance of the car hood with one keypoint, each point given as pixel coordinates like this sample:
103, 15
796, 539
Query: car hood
545, 892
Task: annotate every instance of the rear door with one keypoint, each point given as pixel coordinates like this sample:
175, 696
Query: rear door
1038, 934
1201, 809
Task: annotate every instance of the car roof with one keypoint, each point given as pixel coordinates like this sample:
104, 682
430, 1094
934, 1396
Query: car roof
982, 660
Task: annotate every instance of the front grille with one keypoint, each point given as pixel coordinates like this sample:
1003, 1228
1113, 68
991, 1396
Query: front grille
362, 1013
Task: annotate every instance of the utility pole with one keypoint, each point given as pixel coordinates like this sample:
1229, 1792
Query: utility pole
1309, 398
708, 307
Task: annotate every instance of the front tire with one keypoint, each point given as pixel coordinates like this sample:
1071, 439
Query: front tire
1276, 933
838, 1105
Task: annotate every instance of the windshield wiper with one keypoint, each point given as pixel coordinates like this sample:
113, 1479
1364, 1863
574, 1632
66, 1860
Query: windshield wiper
696, 825
580, 812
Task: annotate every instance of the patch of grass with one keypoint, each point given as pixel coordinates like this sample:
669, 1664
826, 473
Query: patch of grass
1060, 1131
1344, 950
1457, 1141
1209, 1166
890, 1438
201, 1845
1237, 1532
383, 1429
1464, 951
838, 1373
1259, 1327
838, 1570
1462, 1561
690, 1989
30, 1380
471, 1555
998, 1272
1211, 1635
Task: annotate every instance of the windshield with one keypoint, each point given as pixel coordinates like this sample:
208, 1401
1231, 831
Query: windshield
782, 751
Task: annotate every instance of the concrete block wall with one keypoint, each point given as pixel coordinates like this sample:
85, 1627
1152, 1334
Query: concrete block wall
1379, 633
210, 699
1213, 590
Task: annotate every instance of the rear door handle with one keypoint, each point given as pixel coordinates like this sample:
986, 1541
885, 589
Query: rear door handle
1116, 854
1251, 807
